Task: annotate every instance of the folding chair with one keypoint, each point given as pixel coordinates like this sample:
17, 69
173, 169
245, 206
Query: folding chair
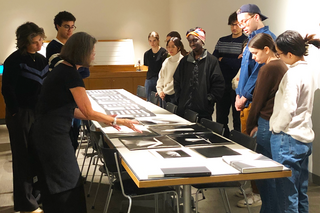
153, 98
245, 141
171, 107
212, 125
130, 190
141, 91
191, 116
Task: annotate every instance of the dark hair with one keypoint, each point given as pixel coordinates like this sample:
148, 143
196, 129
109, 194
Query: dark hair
78, 48
174, 34
25, 33
232, 18
177, 42
292, 41
262, 40
154, 34
61, 17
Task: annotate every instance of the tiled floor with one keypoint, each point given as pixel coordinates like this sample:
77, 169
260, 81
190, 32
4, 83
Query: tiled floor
212, 202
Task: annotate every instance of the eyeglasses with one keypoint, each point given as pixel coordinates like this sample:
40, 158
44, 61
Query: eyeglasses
278, 54
244, 22
68, 27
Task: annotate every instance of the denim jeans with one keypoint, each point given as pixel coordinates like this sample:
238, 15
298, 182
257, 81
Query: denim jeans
267, 187
293, 154
150, 85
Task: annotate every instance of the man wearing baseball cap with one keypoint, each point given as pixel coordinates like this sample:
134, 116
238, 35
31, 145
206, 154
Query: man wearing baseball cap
251, 20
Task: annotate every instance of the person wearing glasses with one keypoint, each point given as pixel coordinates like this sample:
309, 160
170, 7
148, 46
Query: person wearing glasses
23, 75
250, 20
64, 24
227, 51
198, 81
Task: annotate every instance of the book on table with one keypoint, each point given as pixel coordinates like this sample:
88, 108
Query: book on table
252, 163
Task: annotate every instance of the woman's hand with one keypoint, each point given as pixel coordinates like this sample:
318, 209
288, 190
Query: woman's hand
128, 123
162, 95
253, 131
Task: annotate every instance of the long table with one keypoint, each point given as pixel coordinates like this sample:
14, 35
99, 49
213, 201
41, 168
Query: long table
144, 165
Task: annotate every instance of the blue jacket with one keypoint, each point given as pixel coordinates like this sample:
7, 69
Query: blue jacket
249, 69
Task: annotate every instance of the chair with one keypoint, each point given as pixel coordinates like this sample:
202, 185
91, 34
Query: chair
245, 141
171, 107
141, 91
191, 116
153, 98
130, 190
93, 154
213, 126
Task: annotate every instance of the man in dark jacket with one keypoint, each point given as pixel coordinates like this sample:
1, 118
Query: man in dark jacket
198, 81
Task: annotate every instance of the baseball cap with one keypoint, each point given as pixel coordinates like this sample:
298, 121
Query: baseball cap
251, 8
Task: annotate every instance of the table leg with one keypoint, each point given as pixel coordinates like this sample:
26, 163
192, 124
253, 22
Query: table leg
186, 198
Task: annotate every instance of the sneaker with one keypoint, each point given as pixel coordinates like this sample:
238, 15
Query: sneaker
253, 200
239, 193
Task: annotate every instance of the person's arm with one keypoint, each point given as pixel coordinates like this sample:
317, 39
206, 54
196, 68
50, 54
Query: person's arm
287, 104
10, 76
264, 85
80, 96
161, 77
176, 81
251, 82
217, 83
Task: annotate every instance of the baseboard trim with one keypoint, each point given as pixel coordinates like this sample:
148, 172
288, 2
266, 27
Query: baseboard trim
2, 121
314, 178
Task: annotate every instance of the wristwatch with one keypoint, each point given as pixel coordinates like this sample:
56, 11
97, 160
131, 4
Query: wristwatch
114, 121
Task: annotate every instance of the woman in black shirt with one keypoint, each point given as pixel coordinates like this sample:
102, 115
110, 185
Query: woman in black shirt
63, 90
153, 58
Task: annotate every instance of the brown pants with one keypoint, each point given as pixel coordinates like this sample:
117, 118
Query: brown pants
243, 119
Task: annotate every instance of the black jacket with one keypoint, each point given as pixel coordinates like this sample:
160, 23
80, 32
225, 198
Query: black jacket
198, 90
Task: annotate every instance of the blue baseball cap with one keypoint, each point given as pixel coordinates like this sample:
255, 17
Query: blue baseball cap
251, 8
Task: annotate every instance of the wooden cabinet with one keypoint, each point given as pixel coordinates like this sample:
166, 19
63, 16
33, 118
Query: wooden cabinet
107, 77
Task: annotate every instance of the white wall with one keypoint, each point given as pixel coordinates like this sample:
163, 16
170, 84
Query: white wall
101, 18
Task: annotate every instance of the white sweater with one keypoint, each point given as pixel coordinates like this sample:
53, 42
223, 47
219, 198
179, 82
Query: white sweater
165, 80
294, 102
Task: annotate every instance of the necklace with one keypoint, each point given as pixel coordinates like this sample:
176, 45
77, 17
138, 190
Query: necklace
33, 56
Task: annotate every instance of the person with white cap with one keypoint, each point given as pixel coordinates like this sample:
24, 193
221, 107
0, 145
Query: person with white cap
198, 81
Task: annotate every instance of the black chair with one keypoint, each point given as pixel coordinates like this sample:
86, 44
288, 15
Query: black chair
153, 98
191, 116
243, 140
141, 91
171, 107
90, 144
130, 190
213, 126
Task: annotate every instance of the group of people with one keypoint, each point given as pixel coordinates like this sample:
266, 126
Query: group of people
273, 101
40, 107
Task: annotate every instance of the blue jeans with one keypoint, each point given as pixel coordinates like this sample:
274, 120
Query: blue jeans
267, 187
293, 154
150, 85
